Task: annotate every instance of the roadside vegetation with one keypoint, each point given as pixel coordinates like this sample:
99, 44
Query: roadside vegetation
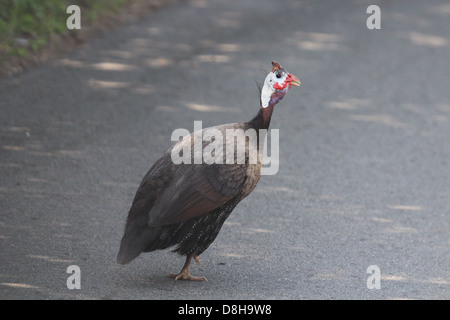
30, 26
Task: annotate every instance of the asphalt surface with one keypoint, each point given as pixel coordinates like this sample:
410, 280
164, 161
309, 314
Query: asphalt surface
364, 175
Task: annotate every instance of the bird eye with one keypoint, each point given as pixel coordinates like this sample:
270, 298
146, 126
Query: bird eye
278, 75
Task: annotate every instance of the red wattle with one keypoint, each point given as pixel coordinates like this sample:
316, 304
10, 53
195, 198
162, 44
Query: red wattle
280, 87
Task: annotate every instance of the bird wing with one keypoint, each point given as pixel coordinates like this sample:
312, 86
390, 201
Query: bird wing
191, 190
172, 193
196, 190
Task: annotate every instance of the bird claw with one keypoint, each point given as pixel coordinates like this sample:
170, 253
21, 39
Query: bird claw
186, 276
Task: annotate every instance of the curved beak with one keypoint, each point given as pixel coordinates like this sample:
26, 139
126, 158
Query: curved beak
293, 80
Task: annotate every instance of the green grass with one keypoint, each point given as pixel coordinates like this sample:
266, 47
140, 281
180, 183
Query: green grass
35, 21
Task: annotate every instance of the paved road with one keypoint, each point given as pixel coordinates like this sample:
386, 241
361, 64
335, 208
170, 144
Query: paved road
364, 173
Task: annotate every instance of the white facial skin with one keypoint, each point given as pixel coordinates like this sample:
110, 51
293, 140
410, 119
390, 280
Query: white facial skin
272, 83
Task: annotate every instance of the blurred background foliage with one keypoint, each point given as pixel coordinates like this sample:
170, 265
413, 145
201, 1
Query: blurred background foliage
27, 25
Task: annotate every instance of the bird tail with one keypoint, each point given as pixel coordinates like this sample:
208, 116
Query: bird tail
136, 239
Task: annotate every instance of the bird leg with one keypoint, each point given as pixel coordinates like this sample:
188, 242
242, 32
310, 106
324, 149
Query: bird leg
184, 274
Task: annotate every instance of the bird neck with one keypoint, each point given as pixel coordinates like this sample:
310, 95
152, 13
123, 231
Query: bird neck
269, 98
262, 119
